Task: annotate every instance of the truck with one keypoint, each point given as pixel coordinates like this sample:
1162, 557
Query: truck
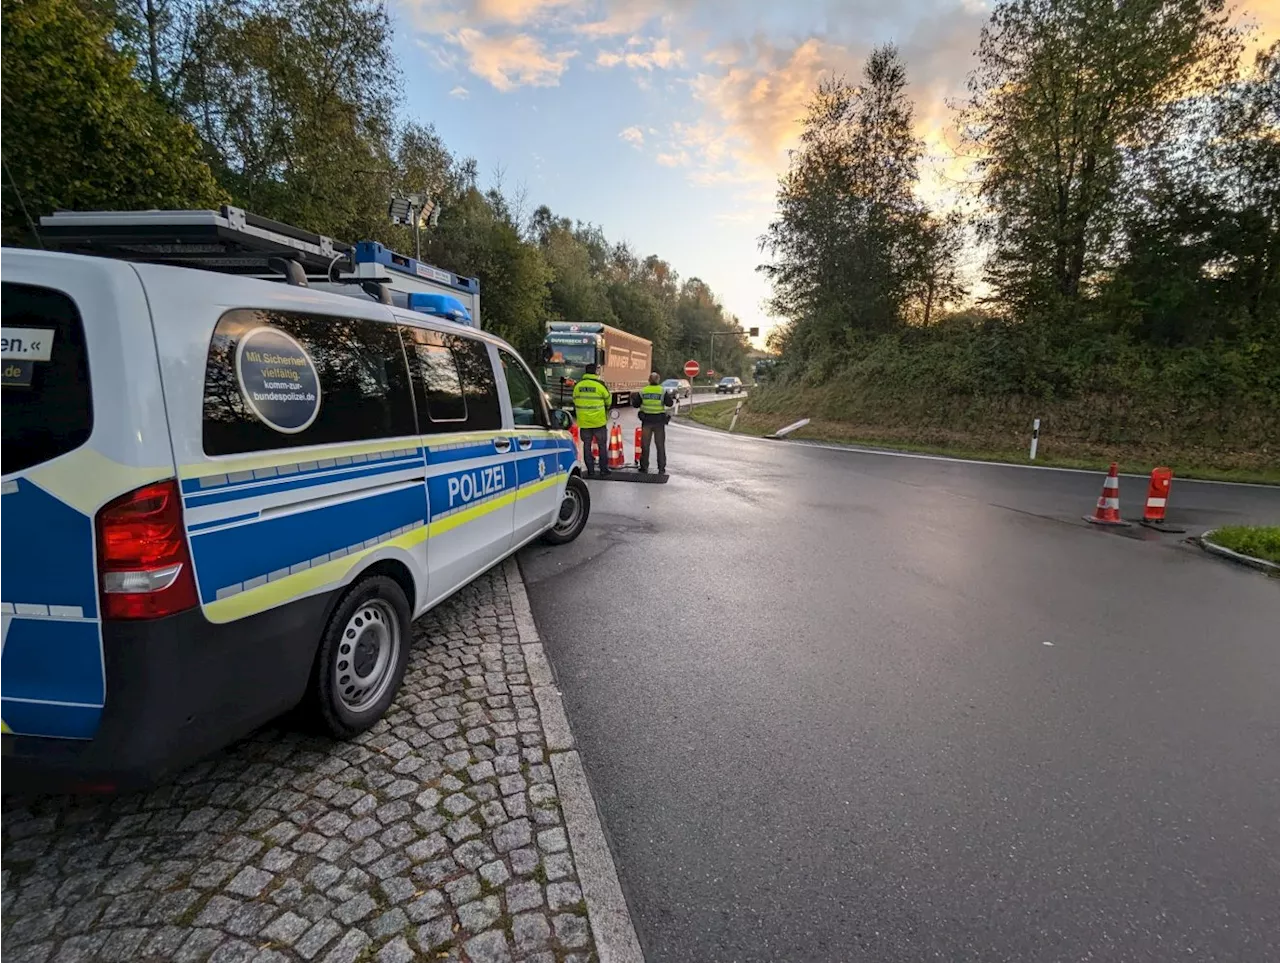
624, 360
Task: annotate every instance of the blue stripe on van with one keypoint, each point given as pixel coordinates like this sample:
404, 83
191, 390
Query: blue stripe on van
201, 526
219, 496
453, 491
44, 719
440, 456
273, 545
54, 659
296, 470
48, 551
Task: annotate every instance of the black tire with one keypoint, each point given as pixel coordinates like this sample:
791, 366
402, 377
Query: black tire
374, 607
575, 509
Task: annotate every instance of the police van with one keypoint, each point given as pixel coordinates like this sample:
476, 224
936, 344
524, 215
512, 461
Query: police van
226, 496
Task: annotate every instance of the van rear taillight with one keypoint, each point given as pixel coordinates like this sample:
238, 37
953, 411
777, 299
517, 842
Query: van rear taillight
143, 559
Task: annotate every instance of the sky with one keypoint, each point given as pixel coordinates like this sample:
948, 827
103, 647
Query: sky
668, 123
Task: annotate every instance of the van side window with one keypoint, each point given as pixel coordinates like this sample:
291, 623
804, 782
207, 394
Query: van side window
437, 382
527, 405
478, 381
283, 379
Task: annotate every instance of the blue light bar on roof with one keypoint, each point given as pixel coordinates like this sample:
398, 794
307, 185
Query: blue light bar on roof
371, 252
440, 306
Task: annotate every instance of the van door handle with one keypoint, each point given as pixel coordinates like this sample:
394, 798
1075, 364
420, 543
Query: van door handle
502, 444
524, 443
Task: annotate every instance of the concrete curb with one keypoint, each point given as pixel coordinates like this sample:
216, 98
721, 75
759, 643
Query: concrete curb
611, 924
1213, 548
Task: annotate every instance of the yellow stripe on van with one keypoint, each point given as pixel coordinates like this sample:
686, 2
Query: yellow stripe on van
301, 584
539, 486
443, 525
291, 456
87, 479
4, 728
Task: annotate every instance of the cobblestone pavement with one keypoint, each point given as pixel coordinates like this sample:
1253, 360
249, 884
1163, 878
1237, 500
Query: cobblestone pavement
437, 835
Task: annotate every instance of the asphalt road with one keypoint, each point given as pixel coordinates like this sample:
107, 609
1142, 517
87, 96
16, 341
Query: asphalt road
841, 706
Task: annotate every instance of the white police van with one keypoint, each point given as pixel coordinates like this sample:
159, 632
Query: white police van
225, 496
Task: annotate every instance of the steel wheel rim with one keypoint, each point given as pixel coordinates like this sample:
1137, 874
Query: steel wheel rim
367, 656
570, 511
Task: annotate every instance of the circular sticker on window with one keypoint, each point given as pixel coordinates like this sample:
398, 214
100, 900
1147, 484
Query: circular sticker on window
278, 380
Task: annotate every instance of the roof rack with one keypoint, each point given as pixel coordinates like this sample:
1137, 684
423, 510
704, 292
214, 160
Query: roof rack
230, 240
233, 241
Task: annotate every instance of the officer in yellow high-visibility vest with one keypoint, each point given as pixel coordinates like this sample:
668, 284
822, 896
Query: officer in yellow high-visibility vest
654, 401
591, 401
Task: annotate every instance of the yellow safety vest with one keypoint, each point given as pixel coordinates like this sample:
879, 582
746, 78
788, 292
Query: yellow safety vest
591, 398
651, 397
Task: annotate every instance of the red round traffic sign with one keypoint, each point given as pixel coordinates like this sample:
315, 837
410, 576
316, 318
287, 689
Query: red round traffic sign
691, 369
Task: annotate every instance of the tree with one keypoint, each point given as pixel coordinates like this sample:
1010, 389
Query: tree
1247, 151
80, 131
294, 99
846, 242
1062, 88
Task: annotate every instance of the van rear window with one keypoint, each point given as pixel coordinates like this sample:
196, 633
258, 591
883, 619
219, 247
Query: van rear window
45, 395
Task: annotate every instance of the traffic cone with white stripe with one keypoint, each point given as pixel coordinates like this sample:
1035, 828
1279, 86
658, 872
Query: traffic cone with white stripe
616, 459
1158, 501
1108, 509
639, 444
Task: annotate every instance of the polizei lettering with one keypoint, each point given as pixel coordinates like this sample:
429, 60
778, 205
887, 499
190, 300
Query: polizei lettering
477, 484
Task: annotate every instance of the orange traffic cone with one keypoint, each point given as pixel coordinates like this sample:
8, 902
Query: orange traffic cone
1157, 495
597, 457
639, 444
1158, 501
616, 460
1108, 510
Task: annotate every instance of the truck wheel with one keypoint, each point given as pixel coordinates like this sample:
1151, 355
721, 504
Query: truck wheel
363, 655
575, 508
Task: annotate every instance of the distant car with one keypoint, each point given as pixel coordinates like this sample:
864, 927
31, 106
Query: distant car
678, 385
729, 386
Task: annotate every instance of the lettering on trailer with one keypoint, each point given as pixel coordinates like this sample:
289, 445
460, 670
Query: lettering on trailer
480, 483
278, 380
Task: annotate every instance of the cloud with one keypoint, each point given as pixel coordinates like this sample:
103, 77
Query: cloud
633, 135
752, 95
660, 55
460, 92
511, 60
673, 159
446, 16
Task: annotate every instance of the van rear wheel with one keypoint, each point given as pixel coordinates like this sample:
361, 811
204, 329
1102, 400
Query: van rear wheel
363, 655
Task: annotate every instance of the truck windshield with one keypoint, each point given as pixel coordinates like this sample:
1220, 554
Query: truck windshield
579, 355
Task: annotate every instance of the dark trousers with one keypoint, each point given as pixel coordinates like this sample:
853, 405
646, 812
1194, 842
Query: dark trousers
601, 435
658, 434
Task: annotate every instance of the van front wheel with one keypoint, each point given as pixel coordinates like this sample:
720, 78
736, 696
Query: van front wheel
363, 655
571, 519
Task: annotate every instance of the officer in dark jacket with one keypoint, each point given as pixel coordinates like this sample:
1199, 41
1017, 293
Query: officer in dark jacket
654, 402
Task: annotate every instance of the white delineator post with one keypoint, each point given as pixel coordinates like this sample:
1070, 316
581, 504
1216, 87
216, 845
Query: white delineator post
1035, 438
734, 420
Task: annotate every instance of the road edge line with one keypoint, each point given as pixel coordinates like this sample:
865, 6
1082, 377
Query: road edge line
611, 924
925, 456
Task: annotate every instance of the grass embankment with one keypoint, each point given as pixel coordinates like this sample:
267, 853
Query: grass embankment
997, 432
1260, 541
